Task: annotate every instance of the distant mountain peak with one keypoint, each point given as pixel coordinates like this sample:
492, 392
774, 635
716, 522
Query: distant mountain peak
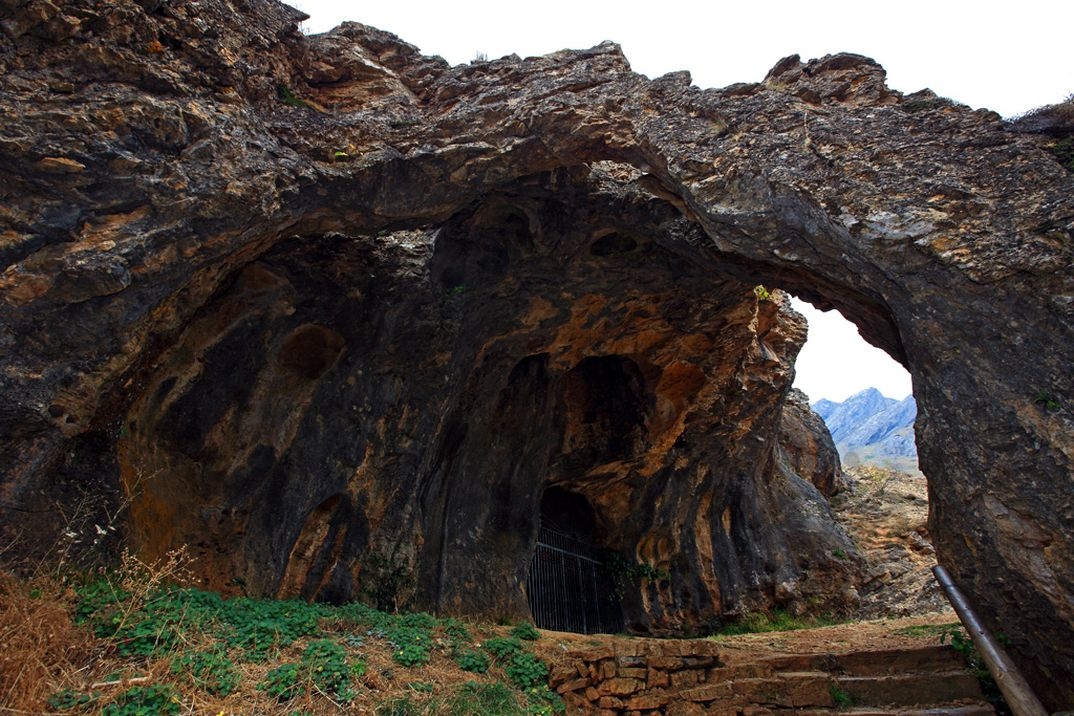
869, 394
868, 427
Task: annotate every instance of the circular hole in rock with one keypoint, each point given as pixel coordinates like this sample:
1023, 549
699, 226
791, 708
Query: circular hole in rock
310, 350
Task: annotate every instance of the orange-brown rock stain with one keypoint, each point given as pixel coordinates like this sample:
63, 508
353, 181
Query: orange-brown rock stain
310, 543
540, 310
153, 515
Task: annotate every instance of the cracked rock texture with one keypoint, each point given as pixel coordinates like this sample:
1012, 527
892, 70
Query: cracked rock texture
333, 313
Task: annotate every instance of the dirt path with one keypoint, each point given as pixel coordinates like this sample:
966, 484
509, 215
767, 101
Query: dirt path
872, 635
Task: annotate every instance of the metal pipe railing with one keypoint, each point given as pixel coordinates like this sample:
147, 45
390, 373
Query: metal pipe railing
1016, 691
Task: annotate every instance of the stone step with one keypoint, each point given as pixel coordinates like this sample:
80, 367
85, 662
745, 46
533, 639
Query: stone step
923, 681
795, 689
925, 659
820, 690
974, 709
910, 689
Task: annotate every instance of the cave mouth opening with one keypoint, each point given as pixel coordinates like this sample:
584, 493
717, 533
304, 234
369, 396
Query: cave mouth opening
569, 587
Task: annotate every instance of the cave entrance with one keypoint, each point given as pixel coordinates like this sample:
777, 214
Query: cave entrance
568, 587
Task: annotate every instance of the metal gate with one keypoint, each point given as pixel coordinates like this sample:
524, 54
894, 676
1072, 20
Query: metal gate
568, 587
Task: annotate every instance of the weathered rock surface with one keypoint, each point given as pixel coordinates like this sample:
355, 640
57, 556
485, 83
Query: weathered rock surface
885, 513
807, 445
197, 294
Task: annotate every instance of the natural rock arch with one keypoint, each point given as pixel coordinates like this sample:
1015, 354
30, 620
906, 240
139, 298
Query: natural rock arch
140, 182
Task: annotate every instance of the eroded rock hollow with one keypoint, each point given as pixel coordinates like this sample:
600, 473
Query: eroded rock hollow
336, 315
375, 413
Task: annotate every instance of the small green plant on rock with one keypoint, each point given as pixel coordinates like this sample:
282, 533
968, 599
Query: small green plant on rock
1063, 151
624, 573
921, 104
840, 698
653, 574
1048, 402
288, 97
391, 580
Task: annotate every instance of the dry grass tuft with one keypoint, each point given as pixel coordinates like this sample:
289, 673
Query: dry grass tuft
40, 645
1056, 120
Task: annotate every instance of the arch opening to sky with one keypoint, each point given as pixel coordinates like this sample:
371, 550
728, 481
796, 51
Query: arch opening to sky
836, 362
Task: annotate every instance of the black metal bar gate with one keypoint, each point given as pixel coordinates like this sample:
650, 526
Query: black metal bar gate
568, 587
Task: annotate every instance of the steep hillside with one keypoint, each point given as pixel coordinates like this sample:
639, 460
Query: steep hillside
870, 429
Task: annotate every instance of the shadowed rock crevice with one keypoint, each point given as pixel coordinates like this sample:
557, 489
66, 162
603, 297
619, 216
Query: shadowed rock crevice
604, 399
183, 208
316, 551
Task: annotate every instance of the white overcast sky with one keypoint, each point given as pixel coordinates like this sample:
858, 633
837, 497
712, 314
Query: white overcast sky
1006, 56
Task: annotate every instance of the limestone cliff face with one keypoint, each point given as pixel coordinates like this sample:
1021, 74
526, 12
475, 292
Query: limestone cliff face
219, 282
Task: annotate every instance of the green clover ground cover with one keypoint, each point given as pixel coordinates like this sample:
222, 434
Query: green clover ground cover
211, 645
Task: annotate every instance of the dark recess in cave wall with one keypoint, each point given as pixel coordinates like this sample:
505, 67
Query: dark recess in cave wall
570, 586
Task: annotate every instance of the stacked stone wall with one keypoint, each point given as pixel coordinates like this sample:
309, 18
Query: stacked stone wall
643, 677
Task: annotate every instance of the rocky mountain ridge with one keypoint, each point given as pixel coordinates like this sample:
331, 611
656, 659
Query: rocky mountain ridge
869, 428
321, 307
